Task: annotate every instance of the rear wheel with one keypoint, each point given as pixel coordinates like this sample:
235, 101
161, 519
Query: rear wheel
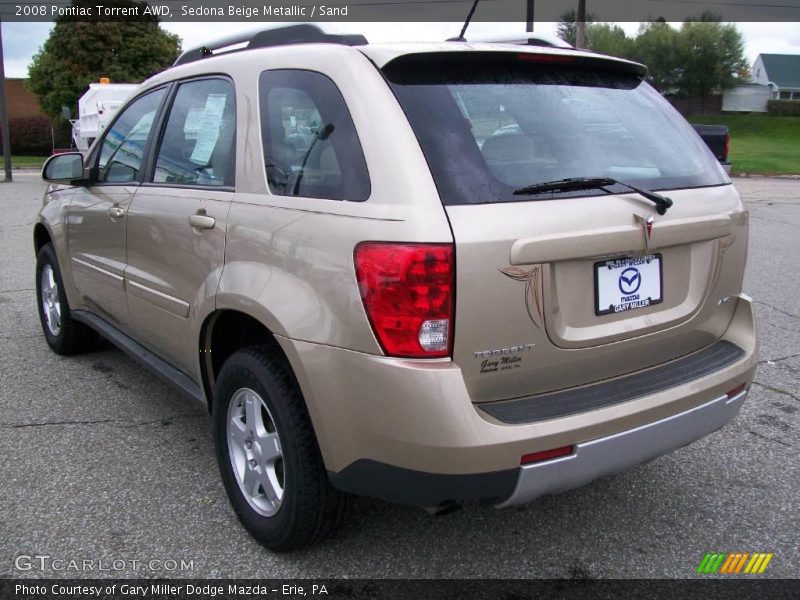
268, 456
63, 334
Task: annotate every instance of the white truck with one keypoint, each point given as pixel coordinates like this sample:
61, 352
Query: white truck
96, 109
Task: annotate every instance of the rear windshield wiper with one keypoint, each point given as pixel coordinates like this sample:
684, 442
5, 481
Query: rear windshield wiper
586, 183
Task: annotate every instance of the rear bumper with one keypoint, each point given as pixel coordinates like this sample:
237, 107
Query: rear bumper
407, 430
619, 452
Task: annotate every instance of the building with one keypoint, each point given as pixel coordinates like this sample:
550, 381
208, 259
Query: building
746, 97
31, 132
781, 72
21, 101
774, 76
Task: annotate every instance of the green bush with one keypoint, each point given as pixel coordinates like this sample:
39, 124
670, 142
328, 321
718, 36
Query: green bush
783, 108
30, 136
62, 133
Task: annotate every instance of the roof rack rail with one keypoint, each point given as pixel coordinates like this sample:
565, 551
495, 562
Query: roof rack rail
279, 36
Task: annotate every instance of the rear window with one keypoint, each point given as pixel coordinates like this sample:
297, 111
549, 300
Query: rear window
490, 124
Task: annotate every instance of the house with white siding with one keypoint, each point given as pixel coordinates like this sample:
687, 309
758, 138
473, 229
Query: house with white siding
774, 76
746, 97
781, 72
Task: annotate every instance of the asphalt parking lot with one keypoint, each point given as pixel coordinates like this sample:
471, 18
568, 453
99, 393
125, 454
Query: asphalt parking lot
102, 461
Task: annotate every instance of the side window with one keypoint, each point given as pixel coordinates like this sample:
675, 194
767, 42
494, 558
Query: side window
197, 145
311, 148
121, 153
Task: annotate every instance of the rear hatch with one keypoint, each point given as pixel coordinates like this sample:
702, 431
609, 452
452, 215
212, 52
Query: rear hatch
560, 285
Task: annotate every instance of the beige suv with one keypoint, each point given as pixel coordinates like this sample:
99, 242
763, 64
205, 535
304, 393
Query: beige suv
430, 273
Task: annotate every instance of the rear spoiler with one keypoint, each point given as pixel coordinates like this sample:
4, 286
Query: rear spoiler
485, 58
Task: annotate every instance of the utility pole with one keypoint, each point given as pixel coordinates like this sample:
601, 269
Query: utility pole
529, 17
581, 23
4, 112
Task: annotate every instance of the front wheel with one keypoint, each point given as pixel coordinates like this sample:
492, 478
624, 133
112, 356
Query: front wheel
268, 455
64, 334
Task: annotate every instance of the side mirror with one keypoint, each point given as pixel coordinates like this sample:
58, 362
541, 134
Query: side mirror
64, 168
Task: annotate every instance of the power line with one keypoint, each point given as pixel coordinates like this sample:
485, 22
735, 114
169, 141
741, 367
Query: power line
726, 3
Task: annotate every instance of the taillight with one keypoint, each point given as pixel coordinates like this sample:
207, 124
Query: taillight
727, 147
408, 292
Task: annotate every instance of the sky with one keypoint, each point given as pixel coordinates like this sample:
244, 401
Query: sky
22, 40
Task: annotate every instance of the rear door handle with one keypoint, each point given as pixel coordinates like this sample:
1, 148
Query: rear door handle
115, 212
202, 221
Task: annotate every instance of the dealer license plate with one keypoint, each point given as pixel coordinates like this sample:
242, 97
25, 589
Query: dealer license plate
626, 284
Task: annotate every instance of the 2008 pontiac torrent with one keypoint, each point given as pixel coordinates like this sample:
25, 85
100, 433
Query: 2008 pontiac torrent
430, 273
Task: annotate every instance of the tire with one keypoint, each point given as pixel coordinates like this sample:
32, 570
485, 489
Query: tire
270, 463
64, 334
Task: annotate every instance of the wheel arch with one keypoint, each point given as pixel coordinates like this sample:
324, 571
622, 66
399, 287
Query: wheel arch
51, 227
41, 236
46, 232
225, 331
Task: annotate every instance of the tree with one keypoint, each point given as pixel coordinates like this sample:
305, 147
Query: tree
608, 39
79, 52
600, 37
701, 57
658, 46
567, 28
713, 57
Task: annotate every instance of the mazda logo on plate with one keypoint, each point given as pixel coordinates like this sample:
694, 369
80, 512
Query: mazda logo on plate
629, 281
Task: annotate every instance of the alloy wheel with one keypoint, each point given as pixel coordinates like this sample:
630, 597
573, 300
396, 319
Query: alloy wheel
50, 300
255, 452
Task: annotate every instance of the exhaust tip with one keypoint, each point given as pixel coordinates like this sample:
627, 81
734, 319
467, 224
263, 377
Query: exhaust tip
443, 508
